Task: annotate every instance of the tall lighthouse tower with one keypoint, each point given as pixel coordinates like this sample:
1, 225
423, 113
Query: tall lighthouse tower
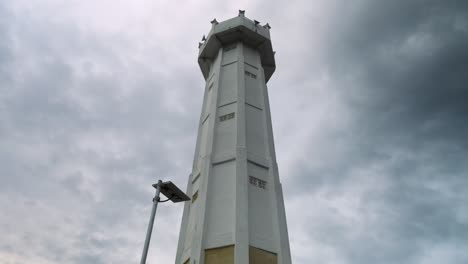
237, 211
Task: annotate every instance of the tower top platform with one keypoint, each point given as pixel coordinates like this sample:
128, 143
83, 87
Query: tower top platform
233, 30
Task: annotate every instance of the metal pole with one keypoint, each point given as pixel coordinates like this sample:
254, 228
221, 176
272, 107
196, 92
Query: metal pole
151, 222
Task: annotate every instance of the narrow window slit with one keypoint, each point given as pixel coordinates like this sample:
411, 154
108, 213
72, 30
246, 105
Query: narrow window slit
251, 75
195, 196
226, 117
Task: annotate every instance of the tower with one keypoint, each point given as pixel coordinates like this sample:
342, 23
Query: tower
237, 211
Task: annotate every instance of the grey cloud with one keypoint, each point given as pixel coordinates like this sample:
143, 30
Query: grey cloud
368, 107
85, 134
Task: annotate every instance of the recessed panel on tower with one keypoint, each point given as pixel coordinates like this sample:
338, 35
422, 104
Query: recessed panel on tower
225, 131
220, 205
255, 131
227, 92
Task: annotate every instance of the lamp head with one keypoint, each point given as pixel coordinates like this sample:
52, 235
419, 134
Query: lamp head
172, 192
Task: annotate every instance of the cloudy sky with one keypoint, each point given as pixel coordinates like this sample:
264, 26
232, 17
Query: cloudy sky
99, 99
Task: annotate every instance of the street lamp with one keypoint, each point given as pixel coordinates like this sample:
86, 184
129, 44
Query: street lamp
173, 193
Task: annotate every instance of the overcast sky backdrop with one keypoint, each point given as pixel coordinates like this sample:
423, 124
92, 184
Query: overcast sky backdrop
99, 99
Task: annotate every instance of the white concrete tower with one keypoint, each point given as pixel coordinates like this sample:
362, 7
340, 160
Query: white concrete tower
237, 211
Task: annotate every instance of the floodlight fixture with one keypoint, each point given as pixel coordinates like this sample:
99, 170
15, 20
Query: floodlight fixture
172, 192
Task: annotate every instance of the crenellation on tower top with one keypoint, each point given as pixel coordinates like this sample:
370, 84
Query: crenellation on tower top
237, 29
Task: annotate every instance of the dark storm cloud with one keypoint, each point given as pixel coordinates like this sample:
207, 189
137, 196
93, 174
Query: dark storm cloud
400, 70
411, 58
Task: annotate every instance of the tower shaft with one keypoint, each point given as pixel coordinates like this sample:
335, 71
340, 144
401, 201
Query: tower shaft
237, 212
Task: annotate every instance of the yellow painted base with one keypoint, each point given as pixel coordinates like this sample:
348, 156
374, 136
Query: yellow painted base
260, 256
224, 255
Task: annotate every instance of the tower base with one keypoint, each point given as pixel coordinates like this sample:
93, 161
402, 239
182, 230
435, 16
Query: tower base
225, 255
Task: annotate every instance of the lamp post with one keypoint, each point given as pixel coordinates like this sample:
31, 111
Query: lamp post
173, 193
